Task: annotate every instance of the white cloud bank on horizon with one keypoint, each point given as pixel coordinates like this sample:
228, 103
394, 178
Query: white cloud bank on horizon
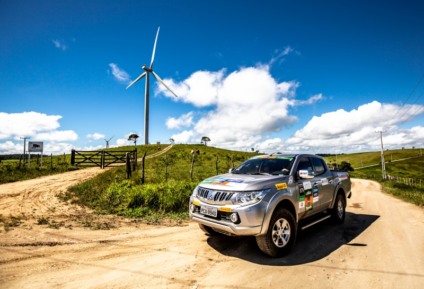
249, 103
359, 128
38, 127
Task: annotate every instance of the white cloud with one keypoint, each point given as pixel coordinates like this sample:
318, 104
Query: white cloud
60, 44
200, 89
246, 103
279, 57
37, 127
183, 121
95, 136
357, 129
313, 99
183, 137
247, 106
31, 124
64, 135
119, 74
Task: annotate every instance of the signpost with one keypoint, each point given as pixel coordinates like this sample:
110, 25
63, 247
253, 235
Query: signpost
35, 147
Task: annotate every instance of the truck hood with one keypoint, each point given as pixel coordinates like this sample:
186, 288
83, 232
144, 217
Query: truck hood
240, 182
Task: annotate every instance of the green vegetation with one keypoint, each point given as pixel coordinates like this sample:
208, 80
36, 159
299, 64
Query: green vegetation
169, 181
12, 170
404, 170
171, 177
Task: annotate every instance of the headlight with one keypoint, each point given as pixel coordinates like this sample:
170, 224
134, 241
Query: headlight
195, 191
248, 198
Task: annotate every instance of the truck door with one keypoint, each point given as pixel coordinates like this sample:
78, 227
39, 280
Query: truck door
308, 186
324, 182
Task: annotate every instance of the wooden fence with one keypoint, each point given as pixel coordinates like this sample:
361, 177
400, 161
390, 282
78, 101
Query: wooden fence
104, 158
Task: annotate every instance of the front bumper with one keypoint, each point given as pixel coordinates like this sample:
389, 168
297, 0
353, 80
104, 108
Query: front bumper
249, 218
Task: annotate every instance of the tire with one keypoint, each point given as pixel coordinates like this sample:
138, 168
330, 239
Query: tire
281, 235
339, 209
208, 230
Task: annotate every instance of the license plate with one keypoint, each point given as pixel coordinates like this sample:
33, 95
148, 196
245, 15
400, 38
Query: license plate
210, 211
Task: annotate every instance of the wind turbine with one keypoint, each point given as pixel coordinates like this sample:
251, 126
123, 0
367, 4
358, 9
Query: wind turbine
107, 142
146, 73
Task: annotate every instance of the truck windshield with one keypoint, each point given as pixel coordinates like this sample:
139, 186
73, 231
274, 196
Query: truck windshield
272, 166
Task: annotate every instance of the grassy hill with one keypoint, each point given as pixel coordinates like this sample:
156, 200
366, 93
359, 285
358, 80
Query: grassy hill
170, 178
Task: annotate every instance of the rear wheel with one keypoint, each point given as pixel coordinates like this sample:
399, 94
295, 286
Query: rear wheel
208, 230
339, 209
281, 234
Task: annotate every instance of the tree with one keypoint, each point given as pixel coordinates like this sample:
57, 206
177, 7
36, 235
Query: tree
346, 166
133, 137
205, 140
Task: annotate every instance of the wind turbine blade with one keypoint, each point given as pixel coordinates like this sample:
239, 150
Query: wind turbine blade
163, 83
154, 49
137, 79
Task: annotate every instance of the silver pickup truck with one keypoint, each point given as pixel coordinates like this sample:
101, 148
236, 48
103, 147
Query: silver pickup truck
271, 197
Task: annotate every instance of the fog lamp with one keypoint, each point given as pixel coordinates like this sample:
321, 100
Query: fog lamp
234, 217
192, 207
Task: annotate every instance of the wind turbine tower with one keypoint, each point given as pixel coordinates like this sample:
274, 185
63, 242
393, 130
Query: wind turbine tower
146, 73
107, 142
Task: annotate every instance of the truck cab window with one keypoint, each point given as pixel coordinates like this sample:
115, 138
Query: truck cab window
319, 167
304, 164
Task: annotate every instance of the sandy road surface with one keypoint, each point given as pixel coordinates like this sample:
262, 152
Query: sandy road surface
381, 245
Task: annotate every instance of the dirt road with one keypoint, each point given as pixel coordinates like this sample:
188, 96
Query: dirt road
45, 243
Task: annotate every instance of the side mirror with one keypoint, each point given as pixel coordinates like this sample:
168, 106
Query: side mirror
305, 174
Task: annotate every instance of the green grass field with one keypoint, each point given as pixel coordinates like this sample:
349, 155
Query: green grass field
171, 177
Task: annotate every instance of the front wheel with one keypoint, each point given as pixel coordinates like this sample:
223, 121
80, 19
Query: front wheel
281, 235
339, 209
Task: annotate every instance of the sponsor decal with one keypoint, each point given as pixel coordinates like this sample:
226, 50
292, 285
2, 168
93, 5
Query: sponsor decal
225, 209
306, 198
315, 193
307, 185
221, 181
301, 198
324, 181
281, 186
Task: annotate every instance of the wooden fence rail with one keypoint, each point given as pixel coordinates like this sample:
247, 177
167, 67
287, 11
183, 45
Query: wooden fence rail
104, 158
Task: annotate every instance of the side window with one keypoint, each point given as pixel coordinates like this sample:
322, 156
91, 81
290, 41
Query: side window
304, 164
319, 167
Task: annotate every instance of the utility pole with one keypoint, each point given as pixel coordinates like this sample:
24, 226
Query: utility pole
383, 165
25, 138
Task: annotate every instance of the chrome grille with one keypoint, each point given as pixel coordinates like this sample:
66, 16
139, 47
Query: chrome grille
210, 196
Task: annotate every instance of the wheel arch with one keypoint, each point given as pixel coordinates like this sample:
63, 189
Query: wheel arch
284, 203
339, 191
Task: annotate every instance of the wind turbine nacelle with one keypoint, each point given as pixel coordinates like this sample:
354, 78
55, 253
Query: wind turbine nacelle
145, 68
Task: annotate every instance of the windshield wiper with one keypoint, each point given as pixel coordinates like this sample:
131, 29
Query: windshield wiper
258, 173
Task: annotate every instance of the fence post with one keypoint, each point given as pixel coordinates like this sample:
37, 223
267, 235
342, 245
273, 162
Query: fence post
192, 165
73, 157
216, 163
135, 160
142, 168
128, 164
102, 159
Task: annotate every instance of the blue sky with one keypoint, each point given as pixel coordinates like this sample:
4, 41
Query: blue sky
310, 76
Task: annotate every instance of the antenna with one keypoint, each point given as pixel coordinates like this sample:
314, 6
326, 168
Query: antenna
146, 73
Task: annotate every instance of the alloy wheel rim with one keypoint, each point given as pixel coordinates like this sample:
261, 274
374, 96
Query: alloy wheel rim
281, 232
